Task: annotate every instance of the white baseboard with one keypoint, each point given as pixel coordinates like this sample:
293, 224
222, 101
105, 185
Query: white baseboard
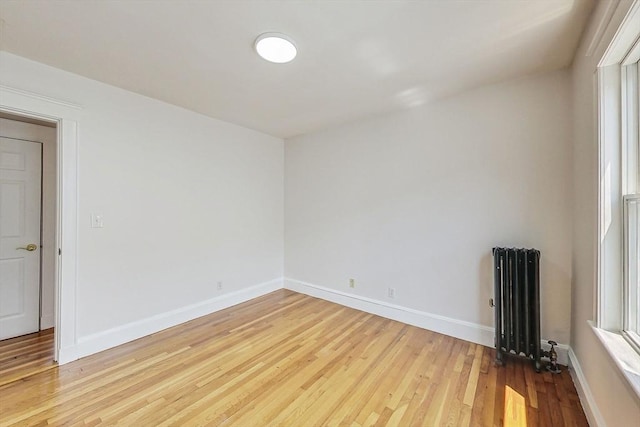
100, 341
584, 392
468, 331
47, 322
67, 354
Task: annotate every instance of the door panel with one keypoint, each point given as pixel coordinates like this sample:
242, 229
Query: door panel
12, 278
20, 196
12, 209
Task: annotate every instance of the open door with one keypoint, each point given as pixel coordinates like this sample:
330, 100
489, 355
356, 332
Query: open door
20, 216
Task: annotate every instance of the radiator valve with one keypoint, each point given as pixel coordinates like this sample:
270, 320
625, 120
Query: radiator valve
553, 359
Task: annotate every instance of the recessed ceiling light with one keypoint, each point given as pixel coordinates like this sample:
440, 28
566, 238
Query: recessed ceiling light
275, 47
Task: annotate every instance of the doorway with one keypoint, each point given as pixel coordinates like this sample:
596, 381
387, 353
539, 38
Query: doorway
65, 116
28, 248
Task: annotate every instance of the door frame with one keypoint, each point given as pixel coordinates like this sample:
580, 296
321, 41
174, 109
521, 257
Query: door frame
66, 116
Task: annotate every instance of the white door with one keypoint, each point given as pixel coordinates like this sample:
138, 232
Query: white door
20, 196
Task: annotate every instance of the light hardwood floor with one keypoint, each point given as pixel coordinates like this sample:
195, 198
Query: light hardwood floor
24, 356
292, 360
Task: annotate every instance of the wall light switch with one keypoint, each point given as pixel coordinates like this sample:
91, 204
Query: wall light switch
97, 220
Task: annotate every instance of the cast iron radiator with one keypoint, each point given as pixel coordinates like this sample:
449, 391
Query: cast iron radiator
517, 303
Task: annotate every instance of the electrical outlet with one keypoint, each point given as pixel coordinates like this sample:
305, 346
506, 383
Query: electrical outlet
391, 292
352, 283
219, 286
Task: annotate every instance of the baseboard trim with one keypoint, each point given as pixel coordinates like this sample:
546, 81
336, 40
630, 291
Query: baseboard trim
104, 340
468, 331
47, 322
584, 392
67, 354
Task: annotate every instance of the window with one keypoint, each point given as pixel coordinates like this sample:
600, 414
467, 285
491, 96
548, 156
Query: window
618, 299
617, 307
630, 96
631, 326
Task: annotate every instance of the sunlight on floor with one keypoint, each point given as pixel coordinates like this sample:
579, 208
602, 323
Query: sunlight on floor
515, 411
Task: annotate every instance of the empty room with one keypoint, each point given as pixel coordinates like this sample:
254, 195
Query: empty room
320, 213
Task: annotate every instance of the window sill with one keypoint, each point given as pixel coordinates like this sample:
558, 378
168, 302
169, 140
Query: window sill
626, 358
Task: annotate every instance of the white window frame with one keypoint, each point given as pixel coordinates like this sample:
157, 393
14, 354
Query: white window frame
619, 160
618, 182
630, 102
631, 302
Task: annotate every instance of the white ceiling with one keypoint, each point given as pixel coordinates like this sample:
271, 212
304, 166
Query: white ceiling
356, 58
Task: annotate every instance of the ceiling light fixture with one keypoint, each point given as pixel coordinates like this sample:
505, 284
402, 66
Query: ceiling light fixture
275, 47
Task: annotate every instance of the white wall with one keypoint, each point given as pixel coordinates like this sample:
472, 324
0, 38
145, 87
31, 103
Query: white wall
187, 201
416, 200
413, 200
47, 136
613, 399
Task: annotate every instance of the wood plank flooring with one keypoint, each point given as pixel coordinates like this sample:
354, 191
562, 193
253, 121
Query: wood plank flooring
287, 359
25, 355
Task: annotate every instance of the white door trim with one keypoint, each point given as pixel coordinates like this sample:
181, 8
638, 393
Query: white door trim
67, 116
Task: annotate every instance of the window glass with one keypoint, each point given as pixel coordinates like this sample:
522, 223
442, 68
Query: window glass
631, 202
